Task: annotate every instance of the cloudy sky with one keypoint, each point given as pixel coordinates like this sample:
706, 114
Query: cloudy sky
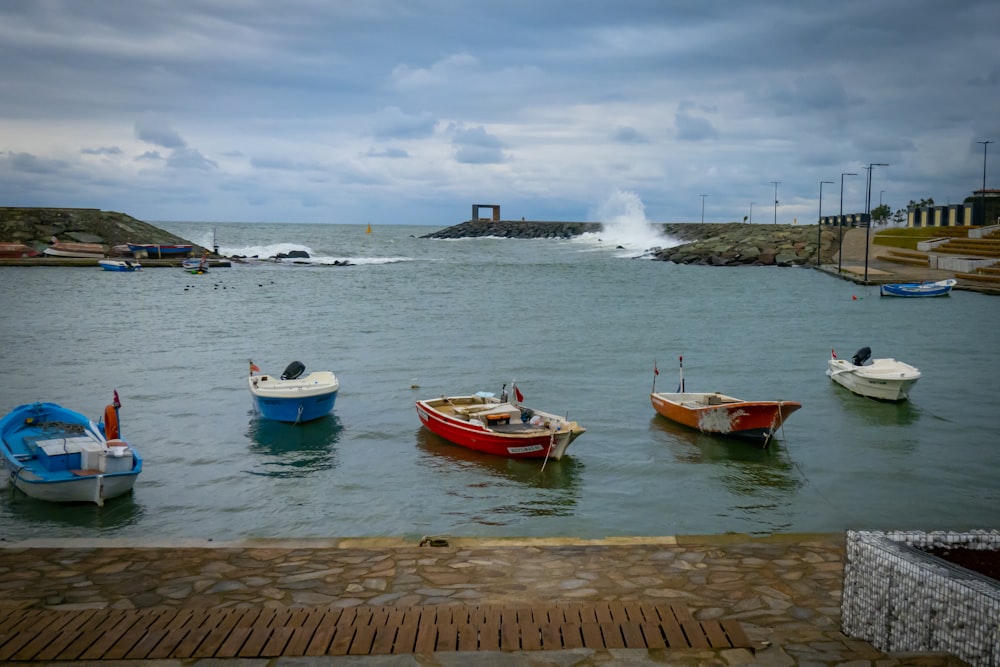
410, 111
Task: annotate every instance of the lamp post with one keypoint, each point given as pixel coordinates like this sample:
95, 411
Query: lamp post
776, 184
703, 209
840, 243
982, 193
868, 210
819, 224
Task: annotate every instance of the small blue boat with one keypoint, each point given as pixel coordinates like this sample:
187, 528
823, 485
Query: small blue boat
58, 455
937, 288
119, 265
293, 398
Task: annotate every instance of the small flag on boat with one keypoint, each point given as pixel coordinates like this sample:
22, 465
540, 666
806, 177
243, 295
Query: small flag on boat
116, 402
254, 368
656, 371
833, 354
518, 394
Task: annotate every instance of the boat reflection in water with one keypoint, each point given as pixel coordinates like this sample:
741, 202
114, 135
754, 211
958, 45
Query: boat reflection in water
745, 470
522, 487
294, 450
116, 513
869, 412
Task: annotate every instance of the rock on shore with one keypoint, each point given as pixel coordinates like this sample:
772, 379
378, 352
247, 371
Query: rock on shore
35, 226
713, 244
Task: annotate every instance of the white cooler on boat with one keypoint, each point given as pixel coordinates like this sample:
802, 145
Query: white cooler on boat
119, 458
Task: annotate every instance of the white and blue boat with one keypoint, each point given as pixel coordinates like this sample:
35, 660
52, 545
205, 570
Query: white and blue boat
119, 265
293, 398
55, 454
936, 288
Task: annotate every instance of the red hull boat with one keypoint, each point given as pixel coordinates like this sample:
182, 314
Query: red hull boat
487, 424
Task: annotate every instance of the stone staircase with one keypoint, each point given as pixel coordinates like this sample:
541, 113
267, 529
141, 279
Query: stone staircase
911, 257
984, 275
987, 247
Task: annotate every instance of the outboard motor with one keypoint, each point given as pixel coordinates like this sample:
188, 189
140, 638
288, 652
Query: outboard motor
862, 356
294, 370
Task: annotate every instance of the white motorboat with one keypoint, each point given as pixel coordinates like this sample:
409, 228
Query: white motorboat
882, 379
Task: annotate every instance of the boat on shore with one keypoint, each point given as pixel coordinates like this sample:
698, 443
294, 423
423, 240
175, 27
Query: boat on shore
15, 250
119, 265
719, 414
58, 455
72, 249
160, 250
293, 398
881, 379
921, 289
497, 426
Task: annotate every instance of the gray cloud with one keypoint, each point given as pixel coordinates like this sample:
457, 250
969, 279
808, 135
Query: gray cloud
476, 146
722, 92
156, 131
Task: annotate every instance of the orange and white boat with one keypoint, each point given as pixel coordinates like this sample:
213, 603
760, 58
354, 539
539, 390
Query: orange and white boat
712, 412
72, 249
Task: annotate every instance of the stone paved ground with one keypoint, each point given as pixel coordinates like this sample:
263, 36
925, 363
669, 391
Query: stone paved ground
785, 590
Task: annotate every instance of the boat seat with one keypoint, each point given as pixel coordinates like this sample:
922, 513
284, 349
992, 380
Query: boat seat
86, 472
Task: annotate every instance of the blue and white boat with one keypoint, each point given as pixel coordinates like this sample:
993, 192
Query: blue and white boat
119, 265
937, 288
55, 454
293, 398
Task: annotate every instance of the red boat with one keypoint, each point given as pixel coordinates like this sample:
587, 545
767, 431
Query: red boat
720, 414
12, 250
497, 426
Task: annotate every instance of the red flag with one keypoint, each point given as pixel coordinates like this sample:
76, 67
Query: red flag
833, 353
117, 403
254, 368
518, 394
656, 371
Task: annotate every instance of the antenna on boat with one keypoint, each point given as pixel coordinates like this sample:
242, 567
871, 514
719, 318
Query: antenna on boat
680, 387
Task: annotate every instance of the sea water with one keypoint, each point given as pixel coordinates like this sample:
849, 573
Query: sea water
578, 324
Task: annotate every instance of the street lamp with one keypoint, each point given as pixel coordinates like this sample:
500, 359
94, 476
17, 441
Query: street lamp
703, 209
819, 224
982, 193
868, 209
840, 243
776, 184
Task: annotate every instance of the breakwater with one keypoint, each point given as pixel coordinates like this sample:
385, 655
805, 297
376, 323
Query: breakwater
714, 244
35, 226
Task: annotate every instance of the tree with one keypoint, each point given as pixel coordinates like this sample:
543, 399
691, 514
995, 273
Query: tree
899, 217
880, 214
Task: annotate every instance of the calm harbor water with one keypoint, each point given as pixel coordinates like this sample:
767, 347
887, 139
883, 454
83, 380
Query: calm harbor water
577, 323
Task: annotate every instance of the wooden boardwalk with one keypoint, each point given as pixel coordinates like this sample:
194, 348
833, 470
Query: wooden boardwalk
37, 635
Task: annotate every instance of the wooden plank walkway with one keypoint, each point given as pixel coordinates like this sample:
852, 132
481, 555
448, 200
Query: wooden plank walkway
36, 635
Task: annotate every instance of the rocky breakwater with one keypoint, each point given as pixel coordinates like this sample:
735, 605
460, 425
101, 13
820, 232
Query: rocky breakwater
515, 229
738, 243
711, 244
34, 227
